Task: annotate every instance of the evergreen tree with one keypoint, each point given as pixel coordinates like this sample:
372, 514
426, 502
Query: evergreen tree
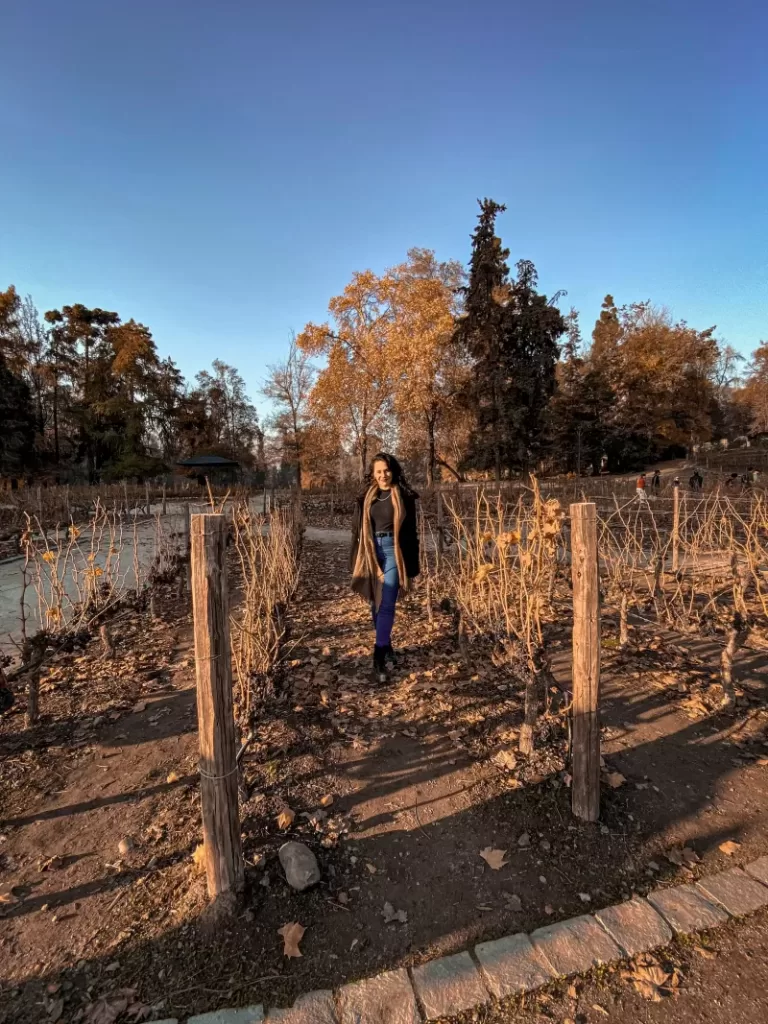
511, 333
533, 327
482, 332
18, 420
579, 407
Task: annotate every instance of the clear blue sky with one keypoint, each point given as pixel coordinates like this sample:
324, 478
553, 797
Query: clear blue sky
218, 170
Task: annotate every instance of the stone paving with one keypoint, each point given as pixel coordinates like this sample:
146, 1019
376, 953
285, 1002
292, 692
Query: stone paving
522, 963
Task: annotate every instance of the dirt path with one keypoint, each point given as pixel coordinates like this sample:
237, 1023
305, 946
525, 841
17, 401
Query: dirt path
423, 776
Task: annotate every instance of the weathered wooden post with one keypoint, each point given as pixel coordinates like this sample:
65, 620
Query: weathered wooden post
264, 508
676, 528
187, 544
146, 494
223, 854
586, 662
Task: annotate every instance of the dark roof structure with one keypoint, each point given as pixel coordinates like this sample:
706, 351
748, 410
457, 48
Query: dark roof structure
208, 461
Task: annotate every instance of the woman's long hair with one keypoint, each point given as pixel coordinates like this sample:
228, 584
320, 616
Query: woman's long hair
398, 476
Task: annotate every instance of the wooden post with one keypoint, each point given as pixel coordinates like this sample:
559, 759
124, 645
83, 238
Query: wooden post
146, 494
676, 529
439, 493
586, 662
264, 509
165, 507
223, 854
187, 543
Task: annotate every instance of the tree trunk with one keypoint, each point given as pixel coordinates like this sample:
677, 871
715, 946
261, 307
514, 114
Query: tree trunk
431, 454
33, 697
538, 678
363, 456
623, 619
56, 418
454, 472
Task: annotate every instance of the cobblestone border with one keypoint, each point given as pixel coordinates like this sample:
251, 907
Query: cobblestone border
522, 963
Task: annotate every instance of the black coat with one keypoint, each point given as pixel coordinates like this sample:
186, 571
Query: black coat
409, 535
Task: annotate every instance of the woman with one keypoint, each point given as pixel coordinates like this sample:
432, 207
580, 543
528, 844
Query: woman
385, 548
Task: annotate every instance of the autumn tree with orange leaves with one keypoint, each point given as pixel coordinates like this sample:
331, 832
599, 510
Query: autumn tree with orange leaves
354, 391
429, 368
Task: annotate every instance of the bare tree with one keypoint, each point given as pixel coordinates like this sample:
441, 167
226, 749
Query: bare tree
289, 385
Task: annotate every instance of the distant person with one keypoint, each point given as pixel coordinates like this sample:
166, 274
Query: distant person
696, 481
603, 464
656, 481
640, 489
746, 478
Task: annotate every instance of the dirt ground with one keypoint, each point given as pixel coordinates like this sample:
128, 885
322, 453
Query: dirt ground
423, 776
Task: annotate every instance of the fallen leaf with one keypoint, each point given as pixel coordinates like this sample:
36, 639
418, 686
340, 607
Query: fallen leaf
729, 847
141, 706
506, 759
650, 980
292, 935
600, 1009
494, 858
513, 901
285, 818
172, 777
585, 897
371, 867
7, 895
391, 915
53, 864
326, 800
615, 780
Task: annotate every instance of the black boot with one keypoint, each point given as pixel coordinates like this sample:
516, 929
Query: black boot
390, 658
379, 666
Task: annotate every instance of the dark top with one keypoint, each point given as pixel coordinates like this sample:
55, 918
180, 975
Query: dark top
409, 534
382, 513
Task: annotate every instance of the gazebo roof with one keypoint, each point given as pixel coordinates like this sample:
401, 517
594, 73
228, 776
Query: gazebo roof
207, 460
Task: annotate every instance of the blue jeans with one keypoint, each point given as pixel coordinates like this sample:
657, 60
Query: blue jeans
384, 618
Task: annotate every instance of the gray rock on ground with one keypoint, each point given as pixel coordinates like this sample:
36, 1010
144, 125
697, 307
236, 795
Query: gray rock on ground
300, 865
